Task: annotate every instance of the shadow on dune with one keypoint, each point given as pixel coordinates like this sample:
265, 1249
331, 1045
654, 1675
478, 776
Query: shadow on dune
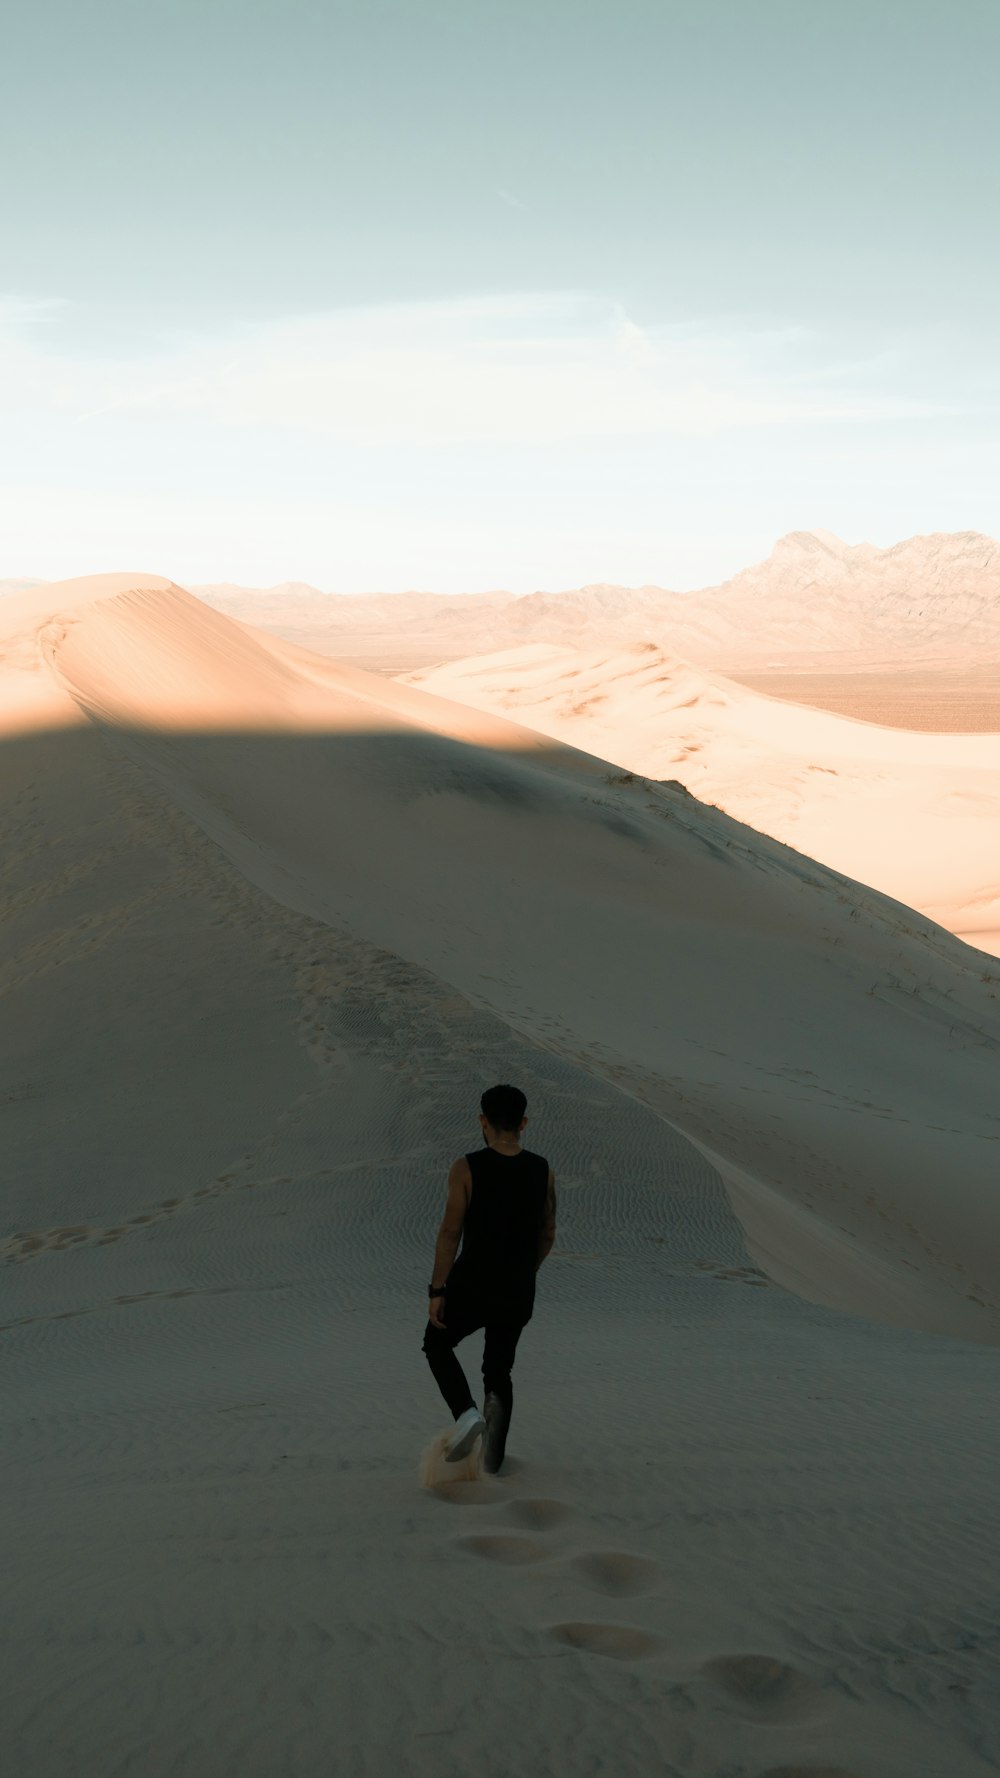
830, 1051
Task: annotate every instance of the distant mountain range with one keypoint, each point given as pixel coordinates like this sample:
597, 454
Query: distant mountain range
814, 602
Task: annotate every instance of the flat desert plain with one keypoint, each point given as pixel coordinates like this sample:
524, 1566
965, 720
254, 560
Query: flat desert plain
271, 925
941, 700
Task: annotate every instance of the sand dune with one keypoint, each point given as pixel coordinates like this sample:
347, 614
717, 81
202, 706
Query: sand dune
543, 891
915, 815
271, 923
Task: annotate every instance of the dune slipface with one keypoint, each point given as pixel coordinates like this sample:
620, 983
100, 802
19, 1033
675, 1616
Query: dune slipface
270, 925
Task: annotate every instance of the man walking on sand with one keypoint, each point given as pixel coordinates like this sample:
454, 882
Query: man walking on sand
502, 1205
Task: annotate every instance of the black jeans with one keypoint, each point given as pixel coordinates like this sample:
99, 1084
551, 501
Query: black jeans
465, 1315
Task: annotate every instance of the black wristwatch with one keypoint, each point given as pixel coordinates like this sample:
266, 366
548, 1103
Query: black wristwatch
436, 1289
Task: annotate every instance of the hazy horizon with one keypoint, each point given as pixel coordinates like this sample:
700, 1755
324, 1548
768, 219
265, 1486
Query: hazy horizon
10, 583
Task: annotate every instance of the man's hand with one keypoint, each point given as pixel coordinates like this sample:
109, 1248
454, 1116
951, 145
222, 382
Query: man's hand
435, 1310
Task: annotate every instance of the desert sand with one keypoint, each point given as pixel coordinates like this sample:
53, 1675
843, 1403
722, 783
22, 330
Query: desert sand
272, 925
914, 815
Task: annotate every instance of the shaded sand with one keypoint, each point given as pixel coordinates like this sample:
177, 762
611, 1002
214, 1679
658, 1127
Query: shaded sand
736, 1530
915, 815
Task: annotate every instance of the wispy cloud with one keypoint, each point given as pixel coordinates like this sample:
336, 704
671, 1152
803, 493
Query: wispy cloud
532, 368
20, 312
508, 197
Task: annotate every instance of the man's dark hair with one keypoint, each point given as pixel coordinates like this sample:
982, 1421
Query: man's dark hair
503, 1107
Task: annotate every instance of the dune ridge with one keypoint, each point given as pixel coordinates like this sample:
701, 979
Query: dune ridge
915, 815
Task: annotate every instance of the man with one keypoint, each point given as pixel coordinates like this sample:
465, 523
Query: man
502, 1204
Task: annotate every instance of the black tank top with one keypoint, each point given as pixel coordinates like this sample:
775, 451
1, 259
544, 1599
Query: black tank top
503, 1223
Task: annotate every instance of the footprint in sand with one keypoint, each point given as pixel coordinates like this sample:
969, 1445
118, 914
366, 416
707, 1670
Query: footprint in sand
28, 1243
539, 1514
807, 1772
765, 1688
615, 1572
501, 1548
623, 1642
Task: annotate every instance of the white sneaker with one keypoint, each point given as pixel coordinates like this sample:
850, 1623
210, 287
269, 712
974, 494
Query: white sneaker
467, 1429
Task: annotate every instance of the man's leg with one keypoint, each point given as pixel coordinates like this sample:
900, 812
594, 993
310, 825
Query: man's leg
499, 1348
439, 1343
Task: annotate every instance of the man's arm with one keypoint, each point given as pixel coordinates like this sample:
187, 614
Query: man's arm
547, 1237
450, 1231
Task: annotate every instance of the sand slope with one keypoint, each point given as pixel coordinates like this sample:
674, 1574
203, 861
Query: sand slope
585, 912
269, 926
915, 815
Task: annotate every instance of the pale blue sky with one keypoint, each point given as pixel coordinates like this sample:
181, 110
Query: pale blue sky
456, 294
